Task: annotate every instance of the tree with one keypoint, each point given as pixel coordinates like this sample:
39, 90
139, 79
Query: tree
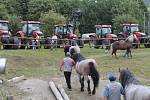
15, 23
3, 12
50, 19
22, 8
37, 7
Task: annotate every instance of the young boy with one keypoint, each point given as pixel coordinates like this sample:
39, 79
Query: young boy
67, 65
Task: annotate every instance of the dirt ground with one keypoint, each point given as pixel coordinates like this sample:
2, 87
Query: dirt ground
38, 89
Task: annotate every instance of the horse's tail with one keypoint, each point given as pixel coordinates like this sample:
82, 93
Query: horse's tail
94, 74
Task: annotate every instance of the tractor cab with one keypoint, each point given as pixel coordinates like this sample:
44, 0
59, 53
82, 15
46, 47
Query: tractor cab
5, 28
103, 30
32, 28
63, 31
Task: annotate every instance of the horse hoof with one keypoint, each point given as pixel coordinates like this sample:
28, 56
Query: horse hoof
89, 92
82, 90
93, 92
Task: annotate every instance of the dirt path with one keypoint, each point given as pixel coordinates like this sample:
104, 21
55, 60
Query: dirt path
36, 89
76, 94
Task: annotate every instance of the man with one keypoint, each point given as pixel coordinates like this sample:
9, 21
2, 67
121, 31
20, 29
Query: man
67, 65
54, 41
113, 90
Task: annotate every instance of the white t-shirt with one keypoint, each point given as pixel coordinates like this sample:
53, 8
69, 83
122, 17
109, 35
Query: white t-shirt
54, 37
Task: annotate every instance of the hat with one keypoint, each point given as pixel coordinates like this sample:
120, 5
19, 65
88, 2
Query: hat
67, 54
112, 76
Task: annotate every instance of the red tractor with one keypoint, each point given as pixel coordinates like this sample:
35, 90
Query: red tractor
6, 39
103, 36
129, 29
30, 30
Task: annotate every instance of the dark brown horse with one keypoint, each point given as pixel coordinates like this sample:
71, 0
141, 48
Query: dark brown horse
123, 45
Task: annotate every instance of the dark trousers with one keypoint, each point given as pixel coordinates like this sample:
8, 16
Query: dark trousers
67, 77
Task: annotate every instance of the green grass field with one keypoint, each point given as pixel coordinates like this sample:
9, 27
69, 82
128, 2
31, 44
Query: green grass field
44, 63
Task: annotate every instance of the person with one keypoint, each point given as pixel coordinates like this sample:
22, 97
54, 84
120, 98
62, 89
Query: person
113, 90
75, 46
54, 41
33, 44
67, 65
66, 48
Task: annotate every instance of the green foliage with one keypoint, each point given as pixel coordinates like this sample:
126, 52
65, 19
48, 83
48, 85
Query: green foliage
100, 12
3, 12
49, 20
124, 19
15, 23
22, 8
37, 7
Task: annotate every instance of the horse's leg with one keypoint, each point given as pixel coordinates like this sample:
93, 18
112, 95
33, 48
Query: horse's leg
93, 91
125, 54
112, 53
130, 53
82, 83
88, 81
115, 53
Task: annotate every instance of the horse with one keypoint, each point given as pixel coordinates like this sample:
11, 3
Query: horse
134, 90
85, 68
124, 45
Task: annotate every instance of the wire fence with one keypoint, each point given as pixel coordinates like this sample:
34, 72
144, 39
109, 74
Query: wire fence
48, 42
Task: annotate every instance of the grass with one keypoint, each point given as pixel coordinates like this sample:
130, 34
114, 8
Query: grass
44, 62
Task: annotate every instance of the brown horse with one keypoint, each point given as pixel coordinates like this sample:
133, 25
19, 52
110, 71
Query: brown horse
123, 45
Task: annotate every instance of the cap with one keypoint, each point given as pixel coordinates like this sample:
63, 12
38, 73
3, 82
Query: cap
112, 76
67, 54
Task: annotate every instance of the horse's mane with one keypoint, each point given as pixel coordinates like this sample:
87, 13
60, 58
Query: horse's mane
78, 57
126, 78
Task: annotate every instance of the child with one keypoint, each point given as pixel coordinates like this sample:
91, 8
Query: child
33, 44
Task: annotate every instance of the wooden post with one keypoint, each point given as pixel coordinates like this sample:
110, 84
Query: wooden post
62, 91
16, 79
55, 91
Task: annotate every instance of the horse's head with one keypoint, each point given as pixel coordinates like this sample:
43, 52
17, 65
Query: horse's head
126, 77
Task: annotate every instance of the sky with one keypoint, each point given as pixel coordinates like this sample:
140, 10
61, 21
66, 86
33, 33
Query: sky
147, 2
